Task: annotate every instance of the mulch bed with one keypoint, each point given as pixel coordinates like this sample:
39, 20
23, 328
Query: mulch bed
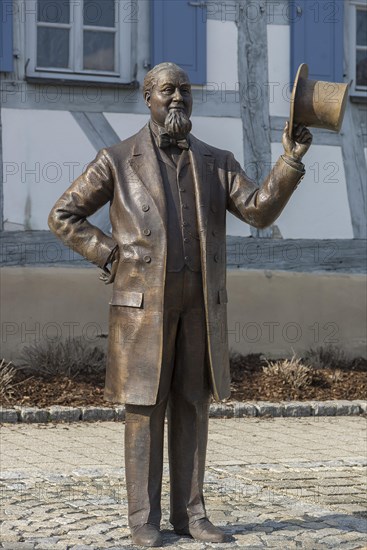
249, 383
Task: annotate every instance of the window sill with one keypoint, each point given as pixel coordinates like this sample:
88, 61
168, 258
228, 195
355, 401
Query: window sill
134, 85
358, 99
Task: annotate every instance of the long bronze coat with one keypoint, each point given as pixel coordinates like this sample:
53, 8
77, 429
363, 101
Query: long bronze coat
127, 176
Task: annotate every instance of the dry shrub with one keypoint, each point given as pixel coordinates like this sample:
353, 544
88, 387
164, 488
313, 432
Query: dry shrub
63, 358
328, 357
242, 365
7, 376
290, 372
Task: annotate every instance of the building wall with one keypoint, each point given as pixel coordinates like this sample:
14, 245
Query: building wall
274, 313
44, 148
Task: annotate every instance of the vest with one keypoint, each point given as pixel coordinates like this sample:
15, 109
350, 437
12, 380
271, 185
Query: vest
183, 244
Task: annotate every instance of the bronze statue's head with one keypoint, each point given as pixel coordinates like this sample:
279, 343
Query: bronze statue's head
167, 93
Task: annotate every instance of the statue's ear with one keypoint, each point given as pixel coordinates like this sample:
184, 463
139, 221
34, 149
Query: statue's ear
147, 96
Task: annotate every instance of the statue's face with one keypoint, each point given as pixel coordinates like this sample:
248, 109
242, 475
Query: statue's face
172, 92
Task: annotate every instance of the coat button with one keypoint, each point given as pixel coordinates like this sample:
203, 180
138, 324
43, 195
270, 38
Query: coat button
147, 259
215, 233
213, 208
216, 258
145, 207
147, 232
186, 240
187, 258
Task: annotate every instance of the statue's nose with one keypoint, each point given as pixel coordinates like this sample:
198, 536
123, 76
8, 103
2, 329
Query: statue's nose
177, 95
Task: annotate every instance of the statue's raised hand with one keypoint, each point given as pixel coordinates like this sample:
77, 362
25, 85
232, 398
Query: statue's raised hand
297, 145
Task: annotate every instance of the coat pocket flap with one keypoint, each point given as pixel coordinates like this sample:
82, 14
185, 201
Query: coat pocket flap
222, 296
124, 298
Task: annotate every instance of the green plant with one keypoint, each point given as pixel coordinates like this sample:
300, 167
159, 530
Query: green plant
63, 358
292, 373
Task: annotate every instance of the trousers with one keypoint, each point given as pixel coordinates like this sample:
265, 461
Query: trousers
184, 391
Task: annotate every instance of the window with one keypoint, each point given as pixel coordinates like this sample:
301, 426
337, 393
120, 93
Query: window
358, 47
88, 40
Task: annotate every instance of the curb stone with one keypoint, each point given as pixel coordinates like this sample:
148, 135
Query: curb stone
298, 408
90, 414
230, 409
65, 414
33, 414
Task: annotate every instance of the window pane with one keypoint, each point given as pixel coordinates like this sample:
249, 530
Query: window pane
99, 13
361, 68
52, 47
53, 11
361, 27
99, 51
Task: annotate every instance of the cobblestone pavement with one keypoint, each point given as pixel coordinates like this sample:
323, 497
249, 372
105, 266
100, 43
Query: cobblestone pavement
278, 483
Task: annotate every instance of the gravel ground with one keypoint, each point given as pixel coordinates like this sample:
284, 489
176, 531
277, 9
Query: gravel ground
279, 483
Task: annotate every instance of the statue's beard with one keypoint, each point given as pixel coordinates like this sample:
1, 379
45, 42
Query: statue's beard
177, 124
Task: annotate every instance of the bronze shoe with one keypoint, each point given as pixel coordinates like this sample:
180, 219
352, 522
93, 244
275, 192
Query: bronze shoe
147, 535
205, 531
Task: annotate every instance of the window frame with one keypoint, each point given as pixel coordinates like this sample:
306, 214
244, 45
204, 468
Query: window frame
123, 43
354, 5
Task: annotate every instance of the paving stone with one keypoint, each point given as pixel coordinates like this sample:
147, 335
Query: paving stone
17, 546
120, 413
362, 405
46, 544
9, 416
323, 408
217, 410
65, 414
33, 414
345, 408
242, 410
265, 408
90, 414
251, 500
297, 408
221, 410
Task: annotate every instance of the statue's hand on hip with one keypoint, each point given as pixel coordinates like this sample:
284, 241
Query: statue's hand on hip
296, 146
108, 274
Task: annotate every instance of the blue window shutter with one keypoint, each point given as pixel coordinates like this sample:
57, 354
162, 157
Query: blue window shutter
179, 35
6, 36
317, 34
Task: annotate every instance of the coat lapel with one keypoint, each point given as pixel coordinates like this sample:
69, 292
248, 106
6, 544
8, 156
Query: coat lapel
146, 166
202, 162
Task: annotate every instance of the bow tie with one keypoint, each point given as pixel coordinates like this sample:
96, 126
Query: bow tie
164, 140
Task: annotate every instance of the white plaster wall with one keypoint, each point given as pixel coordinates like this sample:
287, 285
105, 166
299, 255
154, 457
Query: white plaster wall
319, 207
224, 133
126, 124
222, 54
44, 142
279, 69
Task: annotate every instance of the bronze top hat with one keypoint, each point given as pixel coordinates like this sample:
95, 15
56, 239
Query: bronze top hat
317, 104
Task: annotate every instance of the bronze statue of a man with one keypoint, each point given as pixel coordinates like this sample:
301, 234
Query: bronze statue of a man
169, 193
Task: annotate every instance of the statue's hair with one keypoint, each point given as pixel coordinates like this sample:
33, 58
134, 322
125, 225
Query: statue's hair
150, 79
